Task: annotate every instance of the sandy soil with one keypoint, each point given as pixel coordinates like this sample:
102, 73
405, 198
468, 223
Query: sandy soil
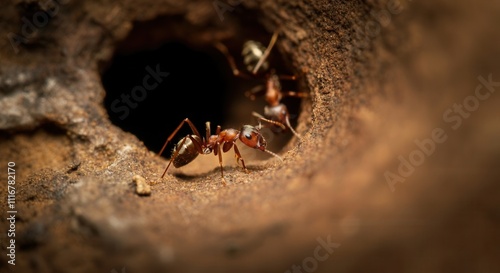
396, 171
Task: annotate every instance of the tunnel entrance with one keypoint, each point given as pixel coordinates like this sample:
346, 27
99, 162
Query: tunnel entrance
150, 92
152, 88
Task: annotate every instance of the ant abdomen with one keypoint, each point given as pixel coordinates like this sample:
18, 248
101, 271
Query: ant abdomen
278, 113
187, 152
252, 52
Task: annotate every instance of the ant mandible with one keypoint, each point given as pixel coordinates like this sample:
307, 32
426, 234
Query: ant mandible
190, 146
255, 59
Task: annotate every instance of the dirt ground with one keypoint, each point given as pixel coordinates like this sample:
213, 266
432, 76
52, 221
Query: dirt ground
396, 169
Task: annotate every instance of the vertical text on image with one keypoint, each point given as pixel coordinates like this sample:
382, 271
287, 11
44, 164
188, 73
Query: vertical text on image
11, 212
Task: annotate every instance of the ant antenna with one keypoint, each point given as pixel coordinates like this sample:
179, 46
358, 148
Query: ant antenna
291, 128
259, 127
273, 154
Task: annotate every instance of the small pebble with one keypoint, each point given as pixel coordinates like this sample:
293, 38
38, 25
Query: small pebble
142, 188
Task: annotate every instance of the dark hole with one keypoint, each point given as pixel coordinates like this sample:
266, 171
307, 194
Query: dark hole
200, 86
142, 99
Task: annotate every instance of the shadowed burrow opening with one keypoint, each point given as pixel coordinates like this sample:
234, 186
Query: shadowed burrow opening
148, 93
154, 81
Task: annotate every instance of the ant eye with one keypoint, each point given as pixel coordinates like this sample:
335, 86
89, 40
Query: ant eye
248, 136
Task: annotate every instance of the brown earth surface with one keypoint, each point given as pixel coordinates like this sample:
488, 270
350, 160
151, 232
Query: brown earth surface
396, 170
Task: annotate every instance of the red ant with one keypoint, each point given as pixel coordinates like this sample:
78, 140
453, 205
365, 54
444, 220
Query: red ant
255, 57
190, 146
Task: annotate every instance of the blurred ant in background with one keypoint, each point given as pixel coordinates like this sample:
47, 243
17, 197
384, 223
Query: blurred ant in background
190, 146
255, 59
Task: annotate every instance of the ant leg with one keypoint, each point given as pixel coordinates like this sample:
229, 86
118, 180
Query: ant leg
294, 94
191, 125
252, 92
277, 123
287, 77
239, 158
262, 118
207, 130
236, 72
174, 156
220, 163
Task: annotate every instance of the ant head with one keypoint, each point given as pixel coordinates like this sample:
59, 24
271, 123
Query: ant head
252, 137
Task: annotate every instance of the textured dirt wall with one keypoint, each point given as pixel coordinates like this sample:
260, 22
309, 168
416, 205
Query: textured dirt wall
396, 170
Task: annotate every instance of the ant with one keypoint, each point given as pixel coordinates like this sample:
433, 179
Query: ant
190, 146
255, 59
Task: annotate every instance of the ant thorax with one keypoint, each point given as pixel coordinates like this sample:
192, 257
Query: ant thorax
277, 113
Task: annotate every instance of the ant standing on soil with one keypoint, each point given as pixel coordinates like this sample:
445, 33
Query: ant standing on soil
190, 146
255, 59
